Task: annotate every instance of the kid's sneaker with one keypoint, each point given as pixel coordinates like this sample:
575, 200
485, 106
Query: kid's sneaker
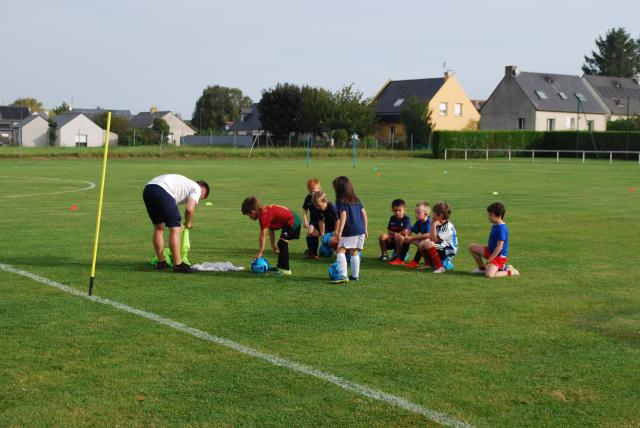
384, 258
412, 264
478, 271
514, 271
182, 268
396, 262
340, 280
353, 278
440, 270
161, 265
280, 271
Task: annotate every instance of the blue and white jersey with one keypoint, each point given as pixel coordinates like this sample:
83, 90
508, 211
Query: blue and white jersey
448, 238
499, 232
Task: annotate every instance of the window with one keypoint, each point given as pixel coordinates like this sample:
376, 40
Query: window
618, 102
590, 125
580, 96
551, 124
398, 102
562, 95
570, 123
541, 95
443, 109
521, 123
81, 140
457, 109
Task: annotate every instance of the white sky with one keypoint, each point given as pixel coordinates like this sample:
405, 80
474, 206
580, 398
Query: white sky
128, 54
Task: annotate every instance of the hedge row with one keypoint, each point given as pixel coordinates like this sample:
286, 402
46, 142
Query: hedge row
530, 140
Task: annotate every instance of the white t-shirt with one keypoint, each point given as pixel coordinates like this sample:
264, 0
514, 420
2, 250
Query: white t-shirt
179, 187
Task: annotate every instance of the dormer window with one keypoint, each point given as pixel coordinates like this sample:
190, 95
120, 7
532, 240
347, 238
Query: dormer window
562, 95
541, 95
580, 97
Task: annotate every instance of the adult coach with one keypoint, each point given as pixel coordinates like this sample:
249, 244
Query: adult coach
162, 195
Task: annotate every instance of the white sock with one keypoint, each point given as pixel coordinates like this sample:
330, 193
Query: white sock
342, 262
355, 265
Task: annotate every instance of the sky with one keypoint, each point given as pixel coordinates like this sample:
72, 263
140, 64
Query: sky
134, 54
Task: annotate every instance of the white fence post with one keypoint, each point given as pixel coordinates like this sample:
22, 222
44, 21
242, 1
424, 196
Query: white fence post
465, 155
487, 155
557, 156
533, 156
582, 157
610, 157
445, 154
509, 155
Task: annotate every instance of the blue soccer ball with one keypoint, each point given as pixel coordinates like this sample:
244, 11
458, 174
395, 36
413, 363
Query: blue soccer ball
260, 265
326, 239
325, 250
334, 272
447, 264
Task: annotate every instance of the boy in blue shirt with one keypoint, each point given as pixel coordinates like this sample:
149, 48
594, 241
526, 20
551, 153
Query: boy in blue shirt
419, 232
497, 249
399, 223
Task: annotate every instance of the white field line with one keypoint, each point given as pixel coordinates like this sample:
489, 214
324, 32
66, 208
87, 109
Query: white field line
90, 185
435, 416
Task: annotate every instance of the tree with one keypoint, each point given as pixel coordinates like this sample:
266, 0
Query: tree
217, 105
316, 110
53, 131
33, 104
61, 109
161, 127
416, 118
280, 109
352, 112
618, 55
119, 124
631, 124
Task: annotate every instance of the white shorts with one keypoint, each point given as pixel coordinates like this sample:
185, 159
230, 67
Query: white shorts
350, 242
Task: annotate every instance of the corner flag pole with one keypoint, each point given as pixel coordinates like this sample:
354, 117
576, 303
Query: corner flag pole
104, 171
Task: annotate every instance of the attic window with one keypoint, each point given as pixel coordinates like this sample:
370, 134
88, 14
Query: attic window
541, 95
398, 102
562, 95
618, 102
579, 96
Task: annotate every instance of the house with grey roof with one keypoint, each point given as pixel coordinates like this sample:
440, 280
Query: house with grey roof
177, 127
450, 107
91, 113
77, 130
620, 96
248, 123
10, 120
542, 102
34, 131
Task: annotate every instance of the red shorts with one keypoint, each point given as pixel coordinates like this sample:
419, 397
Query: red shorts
499, 261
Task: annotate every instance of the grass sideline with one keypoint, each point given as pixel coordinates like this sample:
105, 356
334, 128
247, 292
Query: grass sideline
557, 346
200, 152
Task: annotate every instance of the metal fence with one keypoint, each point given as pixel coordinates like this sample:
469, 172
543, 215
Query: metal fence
532, 153
217, 140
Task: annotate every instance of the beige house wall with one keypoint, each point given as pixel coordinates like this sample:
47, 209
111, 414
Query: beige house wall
452, 93
35, 133
84, 126
564, 120
177, 128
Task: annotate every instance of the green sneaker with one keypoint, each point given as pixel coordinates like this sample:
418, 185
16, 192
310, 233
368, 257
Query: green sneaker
341, 280
286, 272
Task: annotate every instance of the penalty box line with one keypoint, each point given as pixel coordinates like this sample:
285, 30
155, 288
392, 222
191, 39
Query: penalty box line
433, 415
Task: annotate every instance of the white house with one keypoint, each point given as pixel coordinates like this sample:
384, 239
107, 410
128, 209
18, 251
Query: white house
34, 131
177, 127
77, 130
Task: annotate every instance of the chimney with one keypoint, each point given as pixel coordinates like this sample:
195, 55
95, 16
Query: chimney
511, 71
449, 73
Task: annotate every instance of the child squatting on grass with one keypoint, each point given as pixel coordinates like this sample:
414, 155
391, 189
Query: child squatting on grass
352, 228
420, 231
328, 217
399, 224
312, 224
443, 240
272, 218
497, 249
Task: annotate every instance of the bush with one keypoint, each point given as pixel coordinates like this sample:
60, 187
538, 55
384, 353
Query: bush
530, 140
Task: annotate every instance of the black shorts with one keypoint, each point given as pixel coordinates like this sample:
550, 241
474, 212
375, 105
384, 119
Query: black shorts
293, 231
161, 206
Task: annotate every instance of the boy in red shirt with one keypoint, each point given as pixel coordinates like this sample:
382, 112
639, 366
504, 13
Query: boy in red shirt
272, 218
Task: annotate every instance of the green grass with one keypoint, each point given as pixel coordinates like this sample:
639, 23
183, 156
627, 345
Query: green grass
558, 346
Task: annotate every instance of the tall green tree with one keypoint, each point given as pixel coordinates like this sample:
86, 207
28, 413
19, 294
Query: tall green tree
61, 109
217, 105
316, 110
353, 112
33, 104
618, 54
161, 127
119, 124
280, 110
416, 118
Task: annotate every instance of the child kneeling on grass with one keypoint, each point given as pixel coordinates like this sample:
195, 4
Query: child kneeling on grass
351, 230
443, 240
272, 218
420, 231
497, 249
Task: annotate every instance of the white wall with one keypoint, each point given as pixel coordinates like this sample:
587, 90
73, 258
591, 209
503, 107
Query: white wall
599, 121
80, 125
35, 133
177, 127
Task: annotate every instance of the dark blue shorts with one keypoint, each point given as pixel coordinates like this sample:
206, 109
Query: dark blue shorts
161, 206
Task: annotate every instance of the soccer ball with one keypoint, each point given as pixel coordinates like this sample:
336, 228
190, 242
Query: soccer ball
334, 272
447, 264
260, 265
325, 250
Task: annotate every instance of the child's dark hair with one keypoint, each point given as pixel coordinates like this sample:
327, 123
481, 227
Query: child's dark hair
344, 190
205, 185
443, 209
249, 204
398, 203
497, 209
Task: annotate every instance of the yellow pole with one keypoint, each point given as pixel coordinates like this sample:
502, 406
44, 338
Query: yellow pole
104, 172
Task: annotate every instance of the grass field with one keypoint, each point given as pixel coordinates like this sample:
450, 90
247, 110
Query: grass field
557, 346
